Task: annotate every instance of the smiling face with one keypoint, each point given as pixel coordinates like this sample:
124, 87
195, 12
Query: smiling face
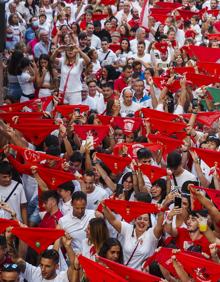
142, 223
192, 224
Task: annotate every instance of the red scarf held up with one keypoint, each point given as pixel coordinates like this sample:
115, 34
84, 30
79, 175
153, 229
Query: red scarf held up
131, 275
213, 194
168, 127
210, 157
152, 172
150, 113
5, 223
130, 210
96, 272
38, 238
7, 117
115, 163
66, 110
99, 132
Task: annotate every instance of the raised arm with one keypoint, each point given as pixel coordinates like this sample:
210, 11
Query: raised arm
111, 218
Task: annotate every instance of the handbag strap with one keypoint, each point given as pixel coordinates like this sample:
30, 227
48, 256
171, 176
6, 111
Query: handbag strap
133, 253
106, 56
9, 196
67, 79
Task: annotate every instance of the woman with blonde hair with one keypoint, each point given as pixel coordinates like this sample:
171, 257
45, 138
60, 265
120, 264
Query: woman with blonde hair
71, 65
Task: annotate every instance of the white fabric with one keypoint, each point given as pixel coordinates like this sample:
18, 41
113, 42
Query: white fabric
94, 198
125, 110
27, 86
65, 207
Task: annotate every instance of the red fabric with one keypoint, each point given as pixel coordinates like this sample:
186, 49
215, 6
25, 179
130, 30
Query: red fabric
214, 36
209, 68
183, 70
67, 110
169, 144
190, 33
108, 2
114, 163
99, 17
213, 12
5, 223
130, 210
105, 120
127, 124
201, 79
204, 54
210, 157
34, 157
153, 172
114, 47
99, 132
36, 134
186, 14
168, 127
50, 221
161, 46
168, 4
45, 102
213, 194
120, 84
149, 113
130, 274
159, 17
52, 177
206, 118
183, 241
162, 11
96, 272
199, 268
217, 26
161, 82
7, 117
38, 238
134, 147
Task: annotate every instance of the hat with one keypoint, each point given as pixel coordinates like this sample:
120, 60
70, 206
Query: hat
38, 238
153, 172
96, 272
5, 223
129, 273
115, 163
130, 210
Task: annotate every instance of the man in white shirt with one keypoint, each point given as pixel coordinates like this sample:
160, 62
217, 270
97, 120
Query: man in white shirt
140, 36
125, 14
86, 99
65, 191
128, 107
99, 99
75, 223
12, 192
95, 194
140, 95
95, 40
105, 55
141, 54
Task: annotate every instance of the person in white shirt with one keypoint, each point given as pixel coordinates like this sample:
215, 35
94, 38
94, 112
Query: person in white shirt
141, 54
125, 13
140, 36
128, 107
95, 40
139, 240
86, 99
140, 95
105, 55
65, 191
99, 99
75, 223
12, 193
95, 194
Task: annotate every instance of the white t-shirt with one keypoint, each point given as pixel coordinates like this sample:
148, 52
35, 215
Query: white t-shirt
27, 86
94, 198
146, 58
76, 227
17, 198
74, 83
95, 42
134, 43
146, 246
33, 274
185, 176
106, 60
65, 207
126, 110
86, 250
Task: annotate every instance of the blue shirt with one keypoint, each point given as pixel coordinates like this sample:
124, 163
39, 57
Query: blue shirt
40, 48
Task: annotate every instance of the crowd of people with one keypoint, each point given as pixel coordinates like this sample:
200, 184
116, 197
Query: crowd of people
109, 141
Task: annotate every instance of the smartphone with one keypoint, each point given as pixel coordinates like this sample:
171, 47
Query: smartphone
178, 202
195, 103
90, 140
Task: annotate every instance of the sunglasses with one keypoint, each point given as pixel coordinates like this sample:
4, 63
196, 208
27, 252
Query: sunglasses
10, 266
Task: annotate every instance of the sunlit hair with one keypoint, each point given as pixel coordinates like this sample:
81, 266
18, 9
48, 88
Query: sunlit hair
98, 232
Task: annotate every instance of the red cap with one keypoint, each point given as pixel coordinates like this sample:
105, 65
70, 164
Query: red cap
169, 144
190, 33
130, 210
67, 110
199, 268
38, 238
99, 132
210, 157
150, 113
96, 272
128, 273
115, 163
5, 223
153, 172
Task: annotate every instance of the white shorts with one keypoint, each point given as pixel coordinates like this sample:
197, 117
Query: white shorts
73, 98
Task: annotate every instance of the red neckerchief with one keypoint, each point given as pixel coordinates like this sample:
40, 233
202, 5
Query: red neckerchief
112, 97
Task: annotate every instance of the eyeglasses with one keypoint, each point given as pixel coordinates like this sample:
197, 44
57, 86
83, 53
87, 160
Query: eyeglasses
10, 266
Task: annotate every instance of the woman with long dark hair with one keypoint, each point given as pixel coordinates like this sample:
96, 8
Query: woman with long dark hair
14, 88
112, 250
30, 10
